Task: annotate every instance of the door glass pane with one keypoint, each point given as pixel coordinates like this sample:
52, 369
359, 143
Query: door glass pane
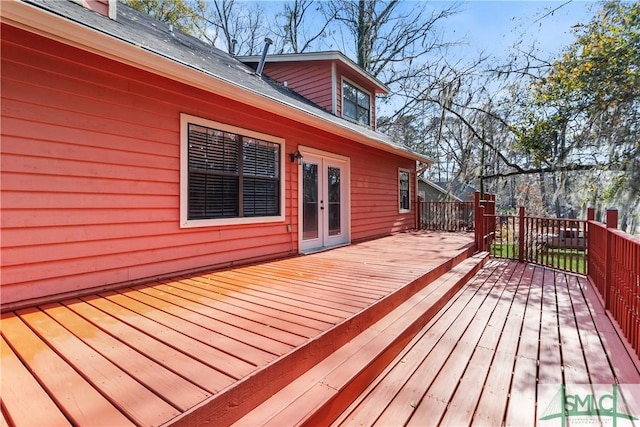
310, 204
333, 185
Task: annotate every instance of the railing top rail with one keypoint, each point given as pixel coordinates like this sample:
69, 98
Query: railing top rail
624, 235
495, 215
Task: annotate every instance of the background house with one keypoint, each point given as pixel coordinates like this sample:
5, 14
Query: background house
462, 191
132, 151
431, 192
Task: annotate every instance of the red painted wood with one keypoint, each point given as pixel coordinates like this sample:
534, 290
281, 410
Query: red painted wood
550, 362
258, 314
595, 355
373, 401
173, 359
177, 391
194, 341
493, 400
461, 406
345, 370
260, 351
277, 342
17, 383
132, 398
266, 290
521, 408
77, 398
311, 80
433, 404
625, 364
574, 365
225, 285
314, 283
401, 408
506, 295
530, 296
100, 6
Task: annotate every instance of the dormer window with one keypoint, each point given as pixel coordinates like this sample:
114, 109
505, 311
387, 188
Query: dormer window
356, 103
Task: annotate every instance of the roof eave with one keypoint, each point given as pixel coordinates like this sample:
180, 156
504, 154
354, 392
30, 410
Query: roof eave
31, 18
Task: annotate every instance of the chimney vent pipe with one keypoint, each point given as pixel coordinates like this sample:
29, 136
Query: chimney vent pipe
267, 43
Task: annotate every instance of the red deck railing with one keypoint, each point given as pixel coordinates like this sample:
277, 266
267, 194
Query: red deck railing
614, 268
445, 216
609, 257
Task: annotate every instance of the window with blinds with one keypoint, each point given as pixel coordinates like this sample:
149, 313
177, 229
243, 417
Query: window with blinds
231, 175
404, 191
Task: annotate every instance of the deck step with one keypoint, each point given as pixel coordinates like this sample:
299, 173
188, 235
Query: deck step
323, 392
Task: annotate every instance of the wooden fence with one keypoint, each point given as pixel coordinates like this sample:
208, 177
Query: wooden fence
446, 216
609, 257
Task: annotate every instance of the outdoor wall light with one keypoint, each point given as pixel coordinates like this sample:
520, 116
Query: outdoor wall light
296, 157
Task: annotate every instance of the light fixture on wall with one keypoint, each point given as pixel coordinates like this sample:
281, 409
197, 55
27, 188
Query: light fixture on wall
296, 157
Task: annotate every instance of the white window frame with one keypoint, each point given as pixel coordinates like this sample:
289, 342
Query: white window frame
185, 119
361, 89
408, 172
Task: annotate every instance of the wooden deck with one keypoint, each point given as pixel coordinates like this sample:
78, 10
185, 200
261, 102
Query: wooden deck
479, 360
214, 343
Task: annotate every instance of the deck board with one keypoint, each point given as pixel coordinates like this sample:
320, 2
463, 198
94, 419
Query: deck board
76, 398
287, 312
180, 393
148, 353
368, 407
238, 324
132, 398
543, 318
17, 383
292, 323
402, 407
173, 359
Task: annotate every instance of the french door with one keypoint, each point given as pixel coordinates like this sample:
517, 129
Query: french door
323, 202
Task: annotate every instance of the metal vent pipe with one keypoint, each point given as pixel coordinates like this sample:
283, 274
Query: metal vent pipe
267, 42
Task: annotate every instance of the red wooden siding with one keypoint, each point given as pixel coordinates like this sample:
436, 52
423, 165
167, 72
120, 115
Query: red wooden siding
313, 80
310, 79
90, 174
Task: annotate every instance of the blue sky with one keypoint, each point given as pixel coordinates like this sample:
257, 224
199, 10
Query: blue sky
494, 26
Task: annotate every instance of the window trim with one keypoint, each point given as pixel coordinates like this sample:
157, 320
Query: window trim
361, 89
185, 119
408, 172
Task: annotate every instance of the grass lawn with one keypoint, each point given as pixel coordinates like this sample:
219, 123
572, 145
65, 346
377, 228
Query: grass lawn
565, 259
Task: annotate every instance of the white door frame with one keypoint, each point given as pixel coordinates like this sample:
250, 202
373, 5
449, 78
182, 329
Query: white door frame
345, 195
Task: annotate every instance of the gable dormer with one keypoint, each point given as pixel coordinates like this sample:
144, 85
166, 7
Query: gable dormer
329, 79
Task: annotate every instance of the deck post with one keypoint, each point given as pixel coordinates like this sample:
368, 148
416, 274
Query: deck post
611, 223
521, 235
591, 216
419, 214
482, 229
489, 227
476, 213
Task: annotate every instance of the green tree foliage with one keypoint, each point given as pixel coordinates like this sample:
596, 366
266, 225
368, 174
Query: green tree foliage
184, 15
585, 112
